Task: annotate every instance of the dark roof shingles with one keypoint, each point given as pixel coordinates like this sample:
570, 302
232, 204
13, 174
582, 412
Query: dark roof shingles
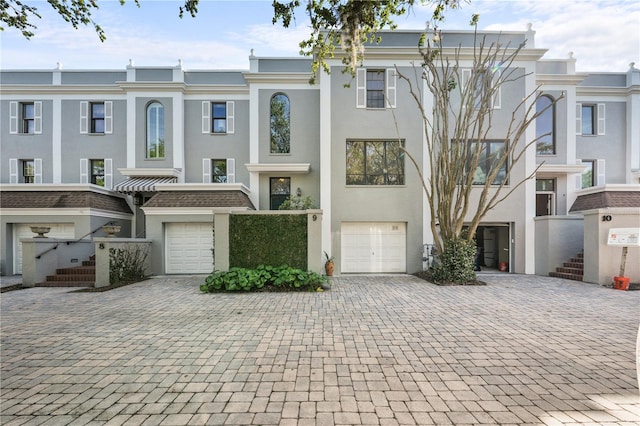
62, 199
200, 199
600, 200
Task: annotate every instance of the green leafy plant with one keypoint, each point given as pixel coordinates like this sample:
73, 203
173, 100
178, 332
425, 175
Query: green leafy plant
297, 202
127, 264
456, 263
263, 278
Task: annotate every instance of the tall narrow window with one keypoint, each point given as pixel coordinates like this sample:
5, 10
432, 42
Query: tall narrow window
588, 175
219, 117
375, 88
588, 119
545, 126
280, 190
97, 117
28, 118
28, 171
280, 124
155, 130
97, 172
545, 197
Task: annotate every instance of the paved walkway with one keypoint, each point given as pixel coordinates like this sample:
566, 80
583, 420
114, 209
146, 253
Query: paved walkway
372, 351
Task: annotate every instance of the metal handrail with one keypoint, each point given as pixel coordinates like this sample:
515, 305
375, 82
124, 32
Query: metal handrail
38, 256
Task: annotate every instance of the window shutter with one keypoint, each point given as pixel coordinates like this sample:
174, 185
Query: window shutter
206, 170
231, 170
37, 170
206, 117
578, 119
466, 76
84, 117
601, 179
13, 170
37, 118
579, 175
108, 117
497, 95
391, 88
601, 119
361, 88
108, 173
13, 117
231, 125
84, 170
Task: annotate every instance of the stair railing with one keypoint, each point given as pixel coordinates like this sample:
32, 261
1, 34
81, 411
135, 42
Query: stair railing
38, 256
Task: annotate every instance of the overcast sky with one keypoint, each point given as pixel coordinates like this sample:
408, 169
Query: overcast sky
604, 35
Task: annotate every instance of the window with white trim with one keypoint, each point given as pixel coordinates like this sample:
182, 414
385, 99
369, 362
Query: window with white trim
545, 126
25, 118
594, 174
376, 88
96, 118
28, 170
98, 171
280, 124
484, 85
218, 117
590, 119
155, 130
218, 170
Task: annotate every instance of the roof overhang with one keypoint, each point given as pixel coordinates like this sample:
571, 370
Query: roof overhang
157, 172
567, 169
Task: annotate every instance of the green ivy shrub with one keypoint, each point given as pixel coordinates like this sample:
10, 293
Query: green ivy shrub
455, 265
262, 278
268, 240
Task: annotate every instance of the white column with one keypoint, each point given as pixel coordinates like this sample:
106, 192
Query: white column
254, 138
325, 159
178, 135
131, 130
56, 140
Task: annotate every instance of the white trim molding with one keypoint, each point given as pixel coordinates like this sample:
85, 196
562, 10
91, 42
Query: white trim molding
278, 167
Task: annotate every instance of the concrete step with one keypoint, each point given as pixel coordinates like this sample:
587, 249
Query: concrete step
576, 265
574, 271
65, 284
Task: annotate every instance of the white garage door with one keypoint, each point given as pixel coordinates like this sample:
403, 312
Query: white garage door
58, 230
188, 248
374, 247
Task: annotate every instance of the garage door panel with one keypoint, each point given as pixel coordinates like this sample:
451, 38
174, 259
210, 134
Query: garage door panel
188, 248
373, 247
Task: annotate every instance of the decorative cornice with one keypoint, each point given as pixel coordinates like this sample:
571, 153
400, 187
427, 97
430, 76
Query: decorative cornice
561, 168
50, 187
563, 79
283, 77
203, 187
278, 167
152, 172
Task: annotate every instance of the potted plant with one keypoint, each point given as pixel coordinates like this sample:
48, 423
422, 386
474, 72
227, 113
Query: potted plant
328, 264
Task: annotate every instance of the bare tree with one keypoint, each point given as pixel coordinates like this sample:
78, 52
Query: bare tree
470, 165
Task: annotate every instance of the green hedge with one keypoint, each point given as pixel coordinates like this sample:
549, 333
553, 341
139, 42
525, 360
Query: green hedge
263, 278
268, 240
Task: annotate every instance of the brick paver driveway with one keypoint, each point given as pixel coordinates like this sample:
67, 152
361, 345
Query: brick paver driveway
373, 351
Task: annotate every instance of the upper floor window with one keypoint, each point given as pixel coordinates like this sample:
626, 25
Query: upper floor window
218, 170
483, 84
96, 117
280, 124
155, 130
545, 126
25, 117
375, 88
25, 170
97, 172
375, 163
28, 171
490, 153
590, 119
218, 117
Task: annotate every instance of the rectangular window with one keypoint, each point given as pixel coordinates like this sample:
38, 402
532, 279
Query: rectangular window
545, 197
219, 117
28, 171
375, 88
375, 163
489, 156
482, 84
588, 119
219, 171
588, 175
97, 117
97, 172
28, 118
279, 191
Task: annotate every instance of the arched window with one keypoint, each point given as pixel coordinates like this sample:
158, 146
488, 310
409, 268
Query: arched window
280, 124
155, 130
546, 126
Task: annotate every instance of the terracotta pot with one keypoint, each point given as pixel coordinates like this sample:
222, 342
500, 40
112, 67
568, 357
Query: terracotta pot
328, 268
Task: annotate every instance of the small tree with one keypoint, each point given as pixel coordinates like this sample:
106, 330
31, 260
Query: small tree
467, 177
